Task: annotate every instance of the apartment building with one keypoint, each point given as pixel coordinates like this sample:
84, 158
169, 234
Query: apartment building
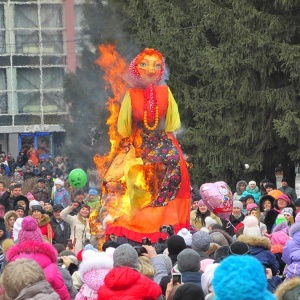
38, 44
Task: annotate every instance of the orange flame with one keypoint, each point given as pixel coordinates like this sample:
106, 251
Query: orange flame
114, 67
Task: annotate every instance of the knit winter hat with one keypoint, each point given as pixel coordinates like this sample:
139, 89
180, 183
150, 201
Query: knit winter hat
36, 207
93, 191
17, 227
280, 219
287, 211
205, 262
285, 198
201, 241
186, 235
30, 231
250, 206
279, 237
188, 261
30, 196
238, 248
221, 253
237, 204
251, 227
59, 181
175, 244
241, 277
189, 291
126, 255
297, 202
248, 197
209, 221
219, 238
33, 202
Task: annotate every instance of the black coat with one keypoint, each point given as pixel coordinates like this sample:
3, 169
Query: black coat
60, 236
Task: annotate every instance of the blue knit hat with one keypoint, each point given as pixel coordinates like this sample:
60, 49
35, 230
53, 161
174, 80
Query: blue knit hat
241, 277
93, 191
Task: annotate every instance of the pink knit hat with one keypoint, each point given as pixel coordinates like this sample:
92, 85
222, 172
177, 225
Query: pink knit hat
30, 196
30, 231
250, 206
285, 198
280, 238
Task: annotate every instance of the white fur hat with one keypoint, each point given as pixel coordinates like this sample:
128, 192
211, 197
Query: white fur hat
17, 227
96, 260
59, 181
251, 227
33, 202
252, 182
209, 221
186, 235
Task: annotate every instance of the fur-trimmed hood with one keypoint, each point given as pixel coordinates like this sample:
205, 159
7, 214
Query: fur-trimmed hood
263, 199
32, 247
237, 188
44, 220
288, 286
10, 213
262, 242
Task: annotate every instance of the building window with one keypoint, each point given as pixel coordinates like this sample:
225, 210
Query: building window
3, 92
2, 30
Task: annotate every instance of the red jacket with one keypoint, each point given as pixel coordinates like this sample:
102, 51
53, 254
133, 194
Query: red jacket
127, 284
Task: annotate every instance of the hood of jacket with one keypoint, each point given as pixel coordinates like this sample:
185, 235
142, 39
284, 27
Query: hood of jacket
121, 278
39, 290
288, 290
32, 247
261, 242
237, 188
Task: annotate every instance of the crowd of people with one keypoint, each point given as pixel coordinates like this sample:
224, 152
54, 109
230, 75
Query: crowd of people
48, 251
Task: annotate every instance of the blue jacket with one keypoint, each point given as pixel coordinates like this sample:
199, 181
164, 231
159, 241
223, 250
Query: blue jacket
260, 248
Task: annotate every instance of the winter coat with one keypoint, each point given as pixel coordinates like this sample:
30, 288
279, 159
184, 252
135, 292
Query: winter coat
128, 284
291, 253
39, 291
254, 192
46, 228
7, 201
194, 277
238, 194
270, 219
45, 255
79, 228
40, 194
259, 247
288, 290
197, 223
230, 226
62, 196
289, 191
60, 235
92, 270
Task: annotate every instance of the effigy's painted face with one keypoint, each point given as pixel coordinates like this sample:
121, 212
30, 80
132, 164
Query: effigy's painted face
149, 68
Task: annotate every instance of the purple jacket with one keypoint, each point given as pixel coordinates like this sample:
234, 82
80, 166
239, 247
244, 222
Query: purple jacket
291, 253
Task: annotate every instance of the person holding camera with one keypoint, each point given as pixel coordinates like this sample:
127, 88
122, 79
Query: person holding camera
80, 229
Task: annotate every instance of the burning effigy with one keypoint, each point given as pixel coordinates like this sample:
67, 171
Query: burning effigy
145, 177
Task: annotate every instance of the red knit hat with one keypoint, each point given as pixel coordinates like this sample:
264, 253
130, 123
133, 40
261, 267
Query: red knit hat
30, 231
